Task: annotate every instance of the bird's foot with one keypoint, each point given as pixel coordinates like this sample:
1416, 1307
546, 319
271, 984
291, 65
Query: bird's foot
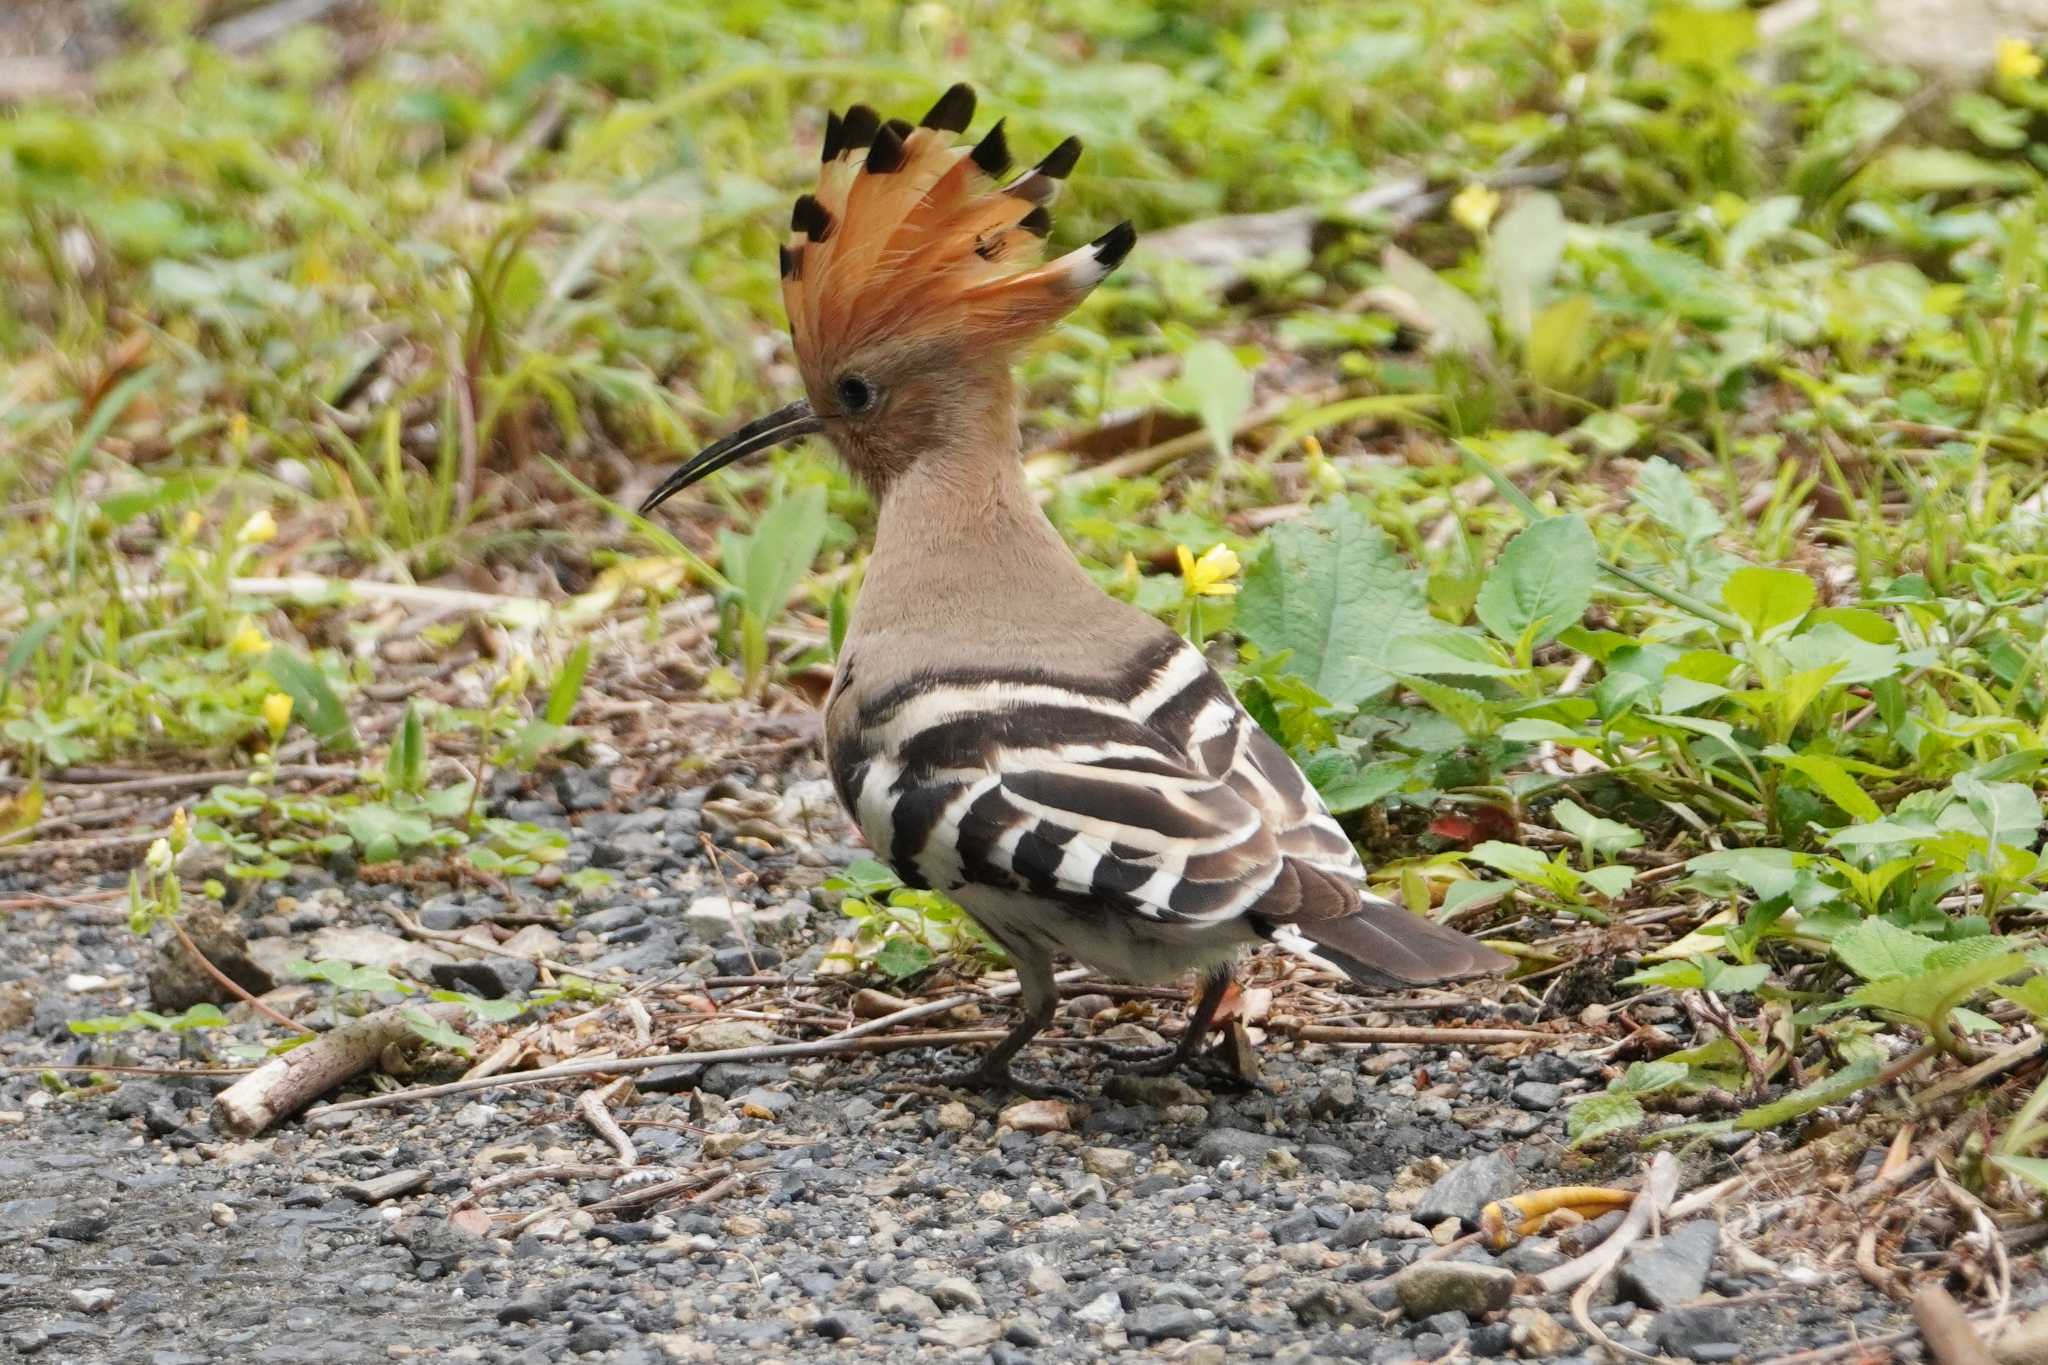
1147, 1061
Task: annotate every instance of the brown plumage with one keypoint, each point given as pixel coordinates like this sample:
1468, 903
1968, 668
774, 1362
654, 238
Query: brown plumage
1061, 763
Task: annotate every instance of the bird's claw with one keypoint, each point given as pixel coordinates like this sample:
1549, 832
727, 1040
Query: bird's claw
1002, 1080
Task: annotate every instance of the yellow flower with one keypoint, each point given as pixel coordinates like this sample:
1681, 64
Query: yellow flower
248, 639
2017, 60
257, 529
1210, 575
158, 859
277, 713
181, 830
1474, 207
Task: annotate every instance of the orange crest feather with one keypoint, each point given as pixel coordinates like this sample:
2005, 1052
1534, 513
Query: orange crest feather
909, 234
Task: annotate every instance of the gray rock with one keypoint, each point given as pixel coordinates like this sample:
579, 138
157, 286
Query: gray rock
1672, 1270
1537, 1095
177, 982
1219, 1145
1466, 1188
960, 1331
1166, 1322
1334, 1305
1358, 1229
493, 978
957, 1291
1104, 1309
899, 1302
1453, 1287
1700, 1332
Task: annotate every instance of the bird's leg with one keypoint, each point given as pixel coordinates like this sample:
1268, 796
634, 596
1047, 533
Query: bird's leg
1040, 998
1152, 1061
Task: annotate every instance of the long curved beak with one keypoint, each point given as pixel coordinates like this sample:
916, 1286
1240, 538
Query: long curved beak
778, 428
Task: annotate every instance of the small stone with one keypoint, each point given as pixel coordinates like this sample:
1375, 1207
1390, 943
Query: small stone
1536, 1333
1102, 1310
899, 1302
957, 1291
1087, 1190
1037, 1116
1111, 1163
92, 1299
1537, 1095
1334, 1305
1358, 1229
1453, 1286
1166, 1322
493, 978
1466, 1188
954, 1117
1673, 1269
1219, 1145
959, 1331
1043, 1279
389, 1186
1698, 1332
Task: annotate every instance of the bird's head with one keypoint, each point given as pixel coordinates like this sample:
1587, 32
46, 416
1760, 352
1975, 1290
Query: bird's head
912, 275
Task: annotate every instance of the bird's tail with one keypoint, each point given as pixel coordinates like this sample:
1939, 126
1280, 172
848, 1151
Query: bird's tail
1381, 946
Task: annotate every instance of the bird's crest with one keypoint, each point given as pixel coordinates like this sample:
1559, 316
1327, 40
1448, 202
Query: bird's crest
910, 234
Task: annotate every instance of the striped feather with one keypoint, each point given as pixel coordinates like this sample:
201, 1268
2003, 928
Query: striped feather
1146, 794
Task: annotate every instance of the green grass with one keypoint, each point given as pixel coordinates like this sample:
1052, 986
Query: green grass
1745, 350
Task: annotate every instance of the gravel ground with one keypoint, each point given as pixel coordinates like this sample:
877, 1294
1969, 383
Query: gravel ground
871, 1217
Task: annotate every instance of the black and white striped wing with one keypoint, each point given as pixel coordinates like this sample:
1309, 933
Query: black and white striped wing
1162, 799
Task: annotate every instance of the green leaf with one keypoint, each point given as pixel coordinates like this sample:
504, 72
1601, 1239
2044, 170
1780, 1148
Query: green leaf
1469, 711
1523, 864
901, 957
1609, 881
1767, 600
1829, 1090
405, 767
1454, 321
1600, 1116
1544, 580
1522, 255
1332, 594
314, 703
1647, 1078
2032, 1169
781, 550
1347, 785
568, 685
1216, 388
1667, 494
1731, 979
1597, 835
1877, 949
1834, 783
435, 1031
1940, 985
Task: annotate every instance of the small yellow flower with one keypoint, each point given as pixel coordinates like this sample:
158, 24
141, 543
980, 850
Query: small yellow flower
189, 525
238, 432
1210, 575
1474, 207
181, 830
277, 713
248, 639
257, 529
158, 859
2017, 60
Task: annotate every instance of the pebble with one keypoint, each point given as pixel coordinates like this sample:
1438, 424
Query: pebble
897, 1301
1111, 1163
1672, 1270
1453, 1286
959, 1332
1466, 1188
1038, 1116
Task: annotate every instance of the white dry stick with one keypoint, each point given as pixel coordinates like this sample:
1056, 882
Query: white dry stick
591, 1106
285, 1084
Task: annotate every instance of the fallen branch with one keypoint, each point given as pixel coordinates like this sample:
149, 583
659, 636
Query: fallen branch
285, 1084
1951, 1340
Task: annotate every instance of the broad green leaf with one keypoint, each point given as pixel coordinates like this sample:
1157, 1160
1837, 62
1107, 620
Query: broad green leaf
1767, 600
1523, 864
1544, 579
1449, 652
1667, 494
1332, 593
1729, 978
902, 957
1558, 352
1347, 785
2031, 995
1877, 950
1454, 321
1599, 1116
1609, 881
1599, 836
2032, 1169
435, 1031
1933, 991
1681, 975
1834, 783
1854, 660
314, 703
1522, 255
1647, 1078
1216, 388
781, 549
1469, 711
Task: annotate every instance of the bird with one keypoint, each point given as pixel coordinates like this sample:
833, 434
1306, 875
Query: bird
1063, 765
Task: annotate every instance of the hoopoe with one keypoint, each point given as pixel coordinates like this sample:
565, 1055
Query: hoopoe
1062, 764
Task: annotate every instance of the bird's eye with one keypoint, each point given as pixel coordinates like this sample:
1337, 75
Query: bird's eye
855, 393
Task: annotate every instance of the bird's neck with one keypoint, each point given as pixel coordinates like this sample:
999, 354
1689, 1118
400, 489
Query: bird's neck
963, 551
